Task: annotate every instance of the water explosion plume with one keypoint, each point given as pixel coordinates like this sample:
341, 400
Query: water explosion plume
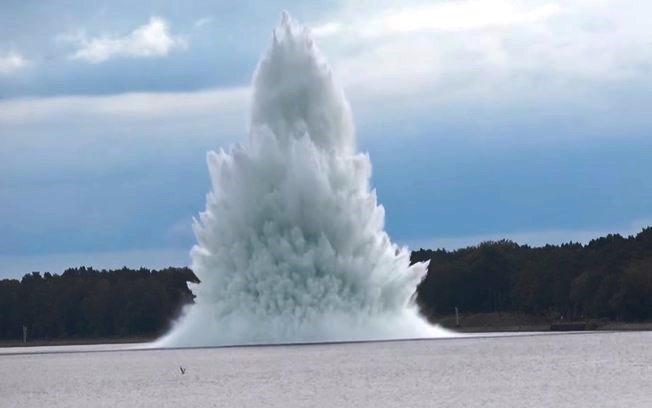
291, 246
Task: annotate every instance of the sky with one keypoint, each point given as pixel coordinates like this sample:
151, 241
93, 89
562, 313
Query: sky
527, 120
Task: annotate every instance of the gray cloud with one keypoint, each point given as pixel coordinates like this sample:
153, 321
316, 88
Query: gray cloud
545, 121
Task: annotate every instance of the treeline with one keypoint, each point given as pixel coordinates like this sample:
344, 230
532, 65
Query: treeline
610, 277
88, 303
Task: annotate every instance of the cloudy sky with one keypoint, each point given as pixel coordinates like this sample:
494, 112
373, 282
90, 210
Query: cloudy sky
528, 120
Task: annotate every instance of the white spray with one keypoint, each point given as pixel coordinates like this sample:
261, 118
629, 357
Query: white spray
291, 246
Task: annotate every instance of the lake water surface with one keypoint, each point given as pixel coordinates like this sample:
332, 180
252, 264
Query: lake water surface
560, 370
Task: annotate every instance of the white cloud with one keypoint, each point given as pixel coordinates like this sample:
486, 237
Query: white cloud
203, 22
125, 107
326, 29
12, 62
98, 134
441, 16
149, 40
492, 51
463, 15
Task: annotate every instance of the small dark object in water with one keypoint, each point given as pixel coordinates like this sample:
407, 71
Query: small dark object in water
183, 370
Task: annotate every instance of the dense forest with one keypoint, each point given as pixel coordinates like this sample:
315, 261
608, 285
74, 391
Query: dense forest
610, 277
87, 303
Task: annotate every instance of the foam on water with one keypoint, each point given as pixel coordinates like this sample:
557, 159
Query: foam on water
291, 246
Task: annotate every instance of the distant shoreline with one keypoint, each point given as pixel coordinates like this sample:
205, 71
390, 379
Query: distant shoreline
607, 326
517, 322
76, 341
612, 327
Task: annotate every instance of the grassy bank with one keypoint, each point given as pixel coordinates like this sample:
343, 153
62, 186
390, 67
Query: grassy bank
508, 322
76, 341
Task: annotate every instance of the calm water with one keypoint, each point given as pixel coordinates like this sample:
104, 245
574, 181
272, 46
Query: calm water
566, 370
